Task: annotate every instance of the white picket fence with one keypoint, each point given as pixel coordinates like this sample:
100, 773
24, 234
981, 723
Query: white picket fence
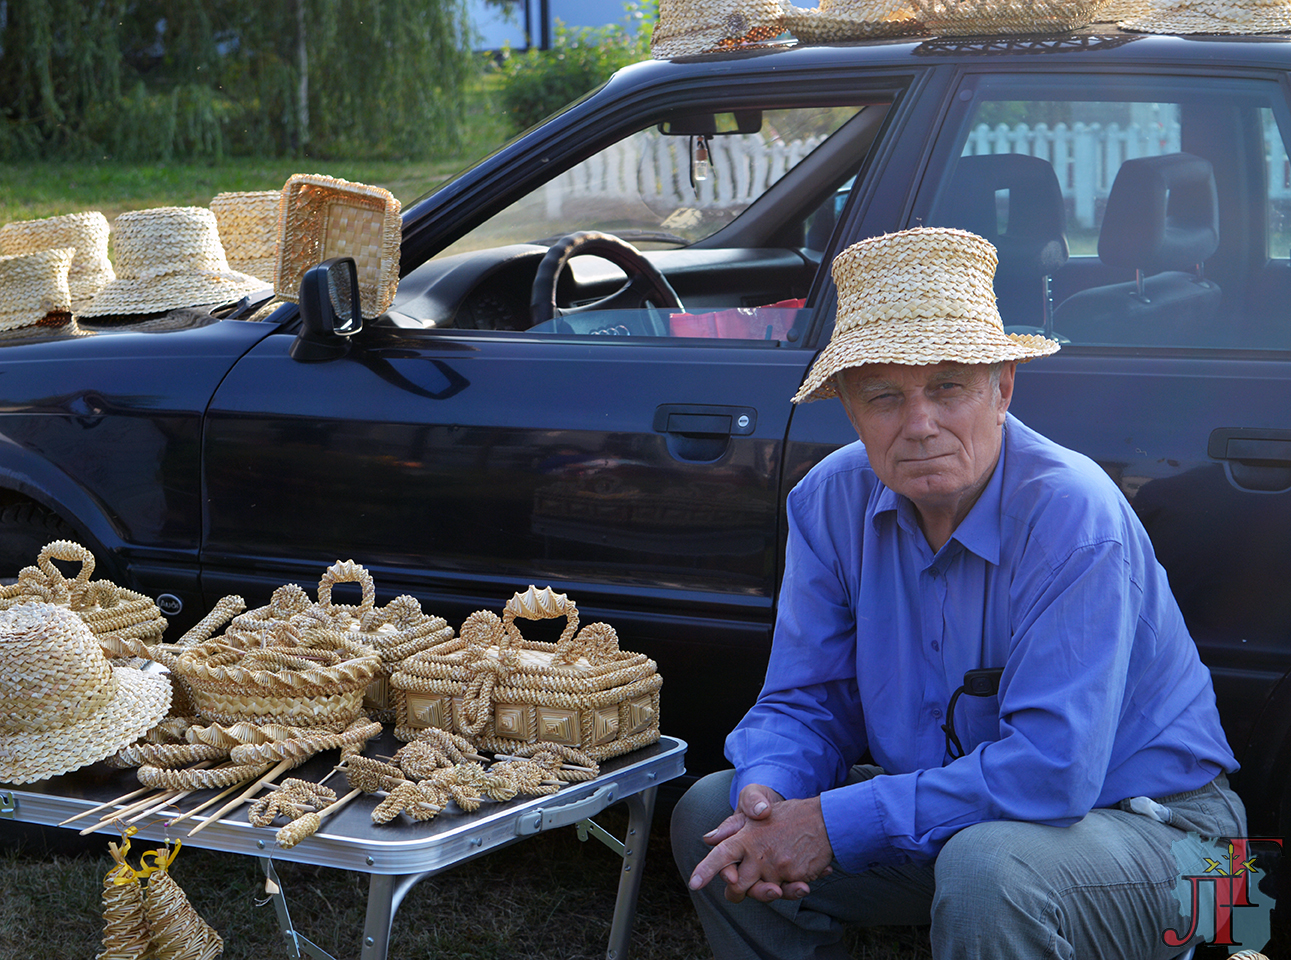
1085, 156
656, 169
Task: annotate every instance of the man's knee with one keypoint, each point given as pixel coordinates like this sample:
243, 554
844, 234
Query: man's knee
705, 805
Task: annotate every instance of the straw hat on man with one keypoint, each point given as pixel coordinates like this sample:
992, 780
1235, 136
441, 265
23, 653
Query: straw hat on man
979, 610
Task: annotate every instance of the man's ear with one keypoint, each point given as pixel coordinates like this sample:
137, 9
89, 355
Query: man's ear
1006, 389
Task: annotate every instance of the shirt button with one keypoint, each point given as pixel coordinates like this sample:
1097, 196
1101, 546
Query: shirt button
936, 713
936, 645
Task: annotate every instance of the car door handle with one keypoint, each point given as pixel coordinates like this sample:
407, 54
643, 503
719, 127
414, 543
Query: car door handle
705, 420
1253, 446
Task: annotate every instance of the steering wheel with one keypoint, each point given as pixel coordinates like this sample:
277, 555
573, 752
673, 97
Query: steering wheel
645, 284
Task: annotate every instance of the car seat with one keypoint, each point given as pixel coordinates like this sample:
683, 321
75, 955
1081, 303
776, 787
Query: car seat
1014, 201
1161, 224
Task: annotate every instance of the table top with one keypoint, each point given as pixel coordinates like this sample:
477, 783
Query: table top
349, 839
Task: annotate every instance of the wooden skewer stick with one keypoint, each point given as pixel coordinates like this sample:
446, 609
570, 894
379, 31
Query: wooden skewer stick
169, 801
103, 806
246, 795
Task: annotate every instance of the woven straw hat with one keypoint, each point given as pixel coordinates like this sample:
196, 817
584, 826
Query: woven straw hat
169, 257
62, 705
248, 225
33, 289
960, 18
322, 217
688, 27
1213, 16
87, 233
837, 20
917, 297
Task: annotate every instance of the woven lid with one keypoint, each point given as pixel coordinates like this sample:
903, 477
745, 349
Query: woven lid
917, 297
689, 27
994, 17
169, 257
33, 288
248, 225
86, 233
1212, 16
321, 217
836, 20
62, 705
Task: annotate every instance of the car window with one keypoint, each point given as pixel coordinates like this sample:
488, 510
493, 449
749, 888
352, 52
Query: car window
1129, 212
717, 224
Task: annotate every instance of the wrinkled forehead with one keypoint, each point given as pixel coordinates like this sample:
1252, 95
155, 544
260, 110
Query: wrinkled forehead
875, 376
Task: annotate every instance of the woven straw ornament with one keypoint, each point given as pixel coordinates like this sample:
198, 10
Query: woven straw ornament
320, 218
248, 223
62, 704
1212, 16
838, 20
169, 257
689, 27
33, 289
178, 931
958, 18
86, 233
918, 297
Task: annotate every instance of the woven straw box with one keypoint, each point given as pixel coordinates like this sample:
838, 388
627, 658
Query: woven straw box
500, 690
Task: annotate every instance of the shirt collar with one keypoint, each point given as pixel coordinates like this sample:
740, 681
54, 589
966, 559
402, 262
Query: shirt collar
979, 531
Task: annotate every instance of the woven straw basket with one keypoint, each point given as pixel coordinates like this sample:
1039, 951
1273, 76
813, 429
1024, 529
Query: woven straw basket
395, 631
500, 690
114, 614
300, 677
248, 223
951, 18
320, 218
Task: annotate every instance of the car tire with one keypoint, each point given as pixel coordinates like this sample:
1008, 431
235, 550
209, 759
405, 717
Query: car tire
24, 529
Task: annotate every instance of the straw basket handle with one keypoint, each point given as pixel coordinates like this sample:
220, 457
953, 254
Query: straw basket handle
346, 571
66, 550
544, 604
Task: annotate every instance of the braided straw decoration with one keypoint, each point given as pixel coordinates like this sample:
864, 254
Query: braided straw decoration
292, 799
432, 749
178, 932
410, 798
370, 775
126, 934
559, 755
957, 18
154, 776
306, 744
165, 754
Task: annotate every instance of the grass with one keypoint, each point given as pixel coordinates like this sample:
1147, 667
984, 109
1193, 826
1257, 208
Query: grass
548, 898
51, 187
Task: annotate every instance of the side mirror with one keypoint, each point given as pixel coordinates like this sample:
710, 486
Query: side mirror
329, 310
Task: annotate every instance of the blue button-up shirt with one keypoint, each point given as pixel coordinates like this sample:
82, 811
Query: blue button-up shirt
1050, 577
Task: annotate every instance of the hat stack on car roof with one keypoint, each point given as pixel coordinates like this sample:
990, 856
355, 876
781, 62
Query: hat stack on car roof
62, 704
1212, 16
169, 257
689, 27
86, 233
836, 20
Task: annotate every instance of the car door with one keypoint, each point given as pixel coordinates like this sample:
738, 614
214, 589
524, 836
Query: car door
640, 474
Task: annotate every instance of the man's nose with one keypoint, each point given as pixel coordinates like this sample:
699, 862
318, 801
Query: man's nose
920, 418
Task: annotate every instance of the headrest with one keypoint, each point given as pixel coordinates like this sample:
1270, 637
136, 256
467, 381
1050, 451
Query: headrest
1034, 239
1162, 214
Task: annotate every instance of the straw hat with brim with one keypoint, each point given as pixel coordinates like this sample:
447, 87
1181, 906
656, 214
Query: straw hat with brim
689, 27
33, 289
918, 297
248, 223
62, 704
169, 257
851, 20
1213, 16
87, 233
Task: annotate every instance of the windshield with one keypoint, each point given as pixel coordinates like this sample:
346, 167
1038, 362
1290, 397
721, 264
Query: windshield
658, 190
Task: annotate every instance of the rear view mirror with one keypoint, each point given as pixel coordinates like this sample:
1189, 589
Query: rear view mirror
713, 124
329, 310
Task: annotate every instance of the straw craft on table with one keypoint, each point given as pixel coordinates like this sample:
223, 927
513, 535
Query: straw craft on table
951, 18
85, 233
320, 218
501, 691
114, 614
62, 703
248, 223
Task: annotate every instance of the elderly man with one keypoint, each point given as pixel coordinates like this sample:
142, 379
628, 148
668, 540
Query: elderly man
979, 610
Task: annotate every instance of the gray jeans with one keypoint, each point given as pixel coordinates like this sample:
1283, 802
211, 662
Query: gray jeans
1103, 887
